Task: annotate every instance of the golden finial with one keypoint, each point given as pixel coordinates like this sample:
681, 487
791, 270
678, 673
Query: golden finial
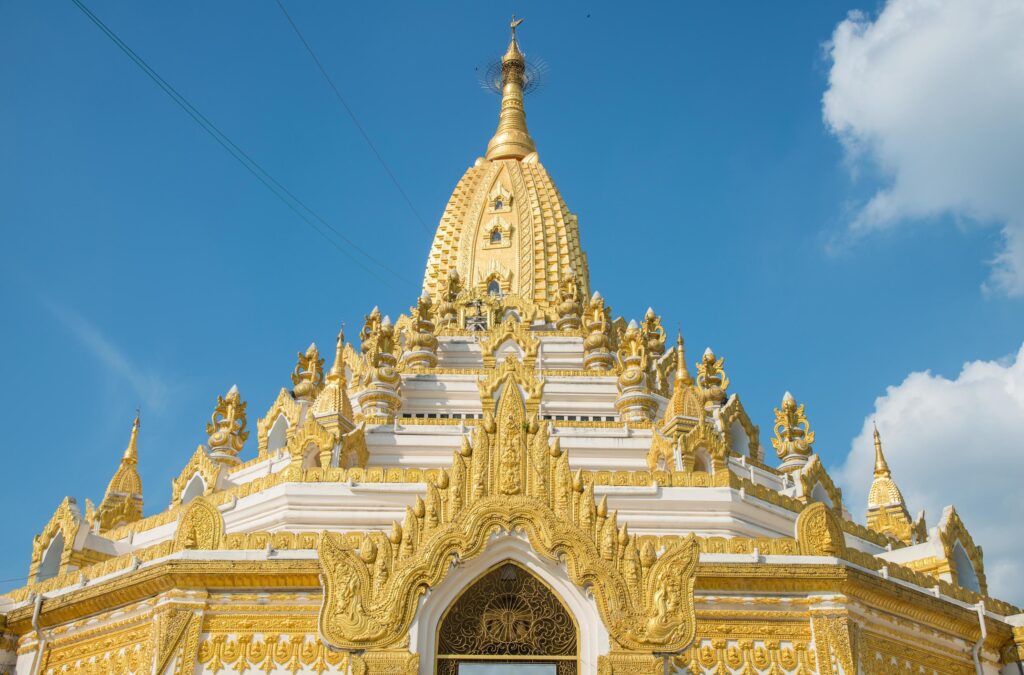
881, 466
513, 46
337, 373
131, 453
512, 139
682, 374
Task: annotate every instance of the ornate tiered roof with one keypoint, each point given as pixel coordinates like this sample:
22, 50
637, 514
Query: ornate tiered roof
507, 413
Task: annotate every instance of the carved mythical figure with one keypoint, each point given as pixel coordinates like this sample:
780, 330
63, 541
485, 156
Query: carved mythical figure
308, 377
597, 345
371, 326
420, 341
653, 334
635, 402
711, 378
380, 379
227, 426
569, 306
451, 287
793, 435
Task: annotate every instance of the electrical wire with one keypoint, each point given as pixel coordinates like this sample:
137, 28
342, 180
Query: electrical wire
276, 187
352, 115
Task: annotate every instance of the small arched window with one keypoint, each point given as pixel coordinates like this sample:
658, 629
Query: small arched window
278, 436
493, 288
820, 494
496, 236
966, 575
499, 204
701, 461
196, 487
49, 566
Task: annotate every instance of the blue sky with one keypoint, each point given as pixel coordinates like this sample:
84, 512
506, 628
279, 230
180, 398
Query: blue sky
142, 266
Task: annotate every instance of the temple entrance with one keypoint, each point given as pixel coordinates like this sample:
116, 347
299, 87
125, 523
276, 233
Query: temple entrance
507, 622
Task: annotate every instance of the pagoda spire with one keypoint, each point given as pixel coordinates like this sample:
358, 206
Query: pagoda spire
131, 453
881, 466
332, 408
512, 139
122, 502
887, 510
682, 374
337, 372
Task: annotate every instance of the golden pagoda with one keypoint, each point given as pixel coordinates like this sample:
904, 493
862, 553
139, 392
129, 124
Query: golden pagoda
507, 478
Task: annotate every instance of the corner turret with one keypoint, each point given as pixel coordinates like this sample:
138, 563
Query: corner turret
122, 502
887, 511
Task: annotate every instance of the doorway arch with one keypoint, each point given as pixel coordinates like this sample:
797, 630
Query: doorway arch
507, 617
503, 547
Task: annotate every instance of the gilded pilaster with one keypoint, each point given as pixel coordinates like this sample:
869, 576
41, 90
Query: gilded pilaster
169, 628
835, 642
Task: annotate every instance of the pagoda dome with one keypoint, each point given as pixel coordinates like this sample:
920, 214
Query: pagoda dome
884, 492
506, 229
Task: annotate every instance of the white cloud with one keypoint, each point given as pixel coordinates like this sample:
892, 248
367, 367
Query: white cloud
957, 441
151, 389
931, 92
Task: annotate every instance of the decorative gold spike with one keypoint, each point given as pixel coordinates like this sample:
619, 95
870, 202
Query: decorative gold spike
337, 373
881, 466
122, 502
512, 139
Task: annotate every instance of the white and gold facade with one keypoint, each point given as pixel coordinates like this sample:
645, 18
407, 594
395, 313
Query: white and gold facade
506, 474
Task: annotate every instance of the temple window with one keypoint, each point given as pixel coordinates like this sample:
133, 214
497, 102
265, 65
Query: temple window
819, 494
700, 462
498, 204
278, 436
311, 457
195, 488
494, 288
965, 574
496, 236
49, 566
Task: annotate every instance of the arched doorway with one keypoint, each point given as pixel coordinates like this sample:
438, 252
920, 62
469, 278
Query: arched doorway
507, 621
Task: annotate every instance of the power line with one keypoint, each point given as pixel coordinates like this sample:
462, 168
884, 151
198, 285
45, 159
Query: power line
276, 187
352, 115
